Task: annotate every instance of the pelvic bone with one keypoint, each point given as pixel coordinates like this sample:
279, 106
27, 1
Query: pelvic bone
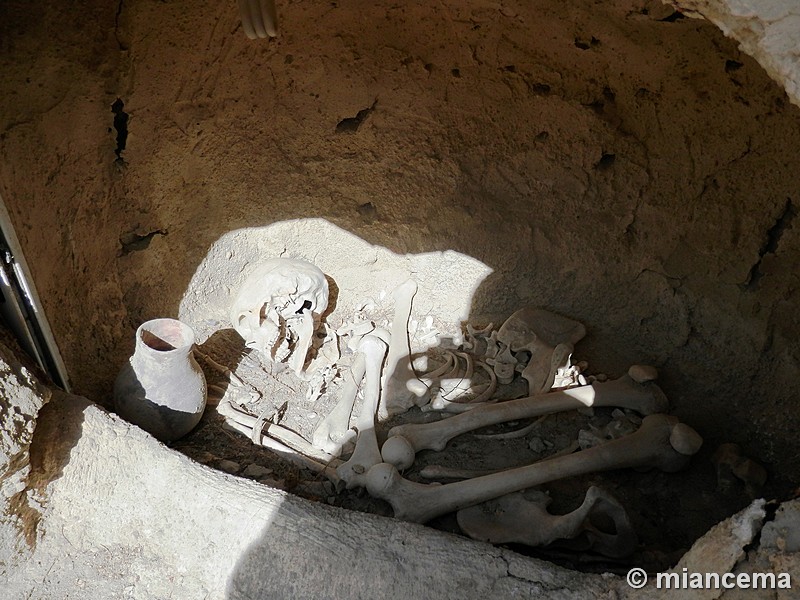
522, 518
651, 446
540, 333
644, 398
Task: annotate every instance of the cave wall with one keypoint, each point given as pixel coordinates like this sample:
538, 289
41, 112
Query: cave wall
614, 162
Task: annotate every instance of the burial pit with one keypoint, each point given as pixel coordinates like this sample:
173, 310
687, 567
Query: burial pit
630, 167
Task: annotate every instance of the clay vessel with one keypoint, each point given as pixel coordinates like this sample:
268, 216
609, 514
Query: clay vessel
162, 389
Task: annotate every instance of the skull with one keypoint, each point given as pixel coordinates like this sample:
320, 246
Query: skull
278, 307
547, 338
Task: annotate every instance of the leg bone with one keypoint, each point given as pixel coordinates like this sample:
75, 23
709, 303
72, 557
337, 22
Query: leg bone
623, 392
366, 453
650, 447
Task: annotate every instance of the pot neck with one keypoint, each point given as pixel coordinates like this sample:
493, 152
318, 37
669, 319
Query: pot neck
145, 352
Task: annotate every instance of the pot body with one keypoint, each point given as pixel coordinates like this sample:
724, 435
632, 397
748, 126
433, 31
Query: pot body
161, 388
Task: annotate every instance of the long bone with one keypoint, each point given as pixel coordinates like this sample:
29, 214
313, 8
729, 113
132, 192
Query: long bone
406, 440
662, 442
366, 453
329, 434
401, 386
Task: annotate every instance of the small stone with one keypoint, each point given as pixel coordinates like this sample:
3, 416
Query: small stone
229, 466
278, 484
255, 471
643, 373
537, 445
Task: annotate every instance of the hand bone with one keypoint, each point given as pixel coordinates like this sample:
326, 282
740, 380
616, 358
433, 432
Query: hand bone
644, 398
653, 445
366, 453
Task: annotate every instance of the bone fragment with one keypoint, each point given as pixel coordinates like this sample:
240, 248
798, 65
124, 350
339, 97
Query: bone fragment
482, 395
548, 337
623, 392
432, 376
731, 465
643, 373
513, 435
306, 331
515, 518
459, 385
289, 454
648, 447
232, 413
330, 433
401, 387
366, 453
440, 472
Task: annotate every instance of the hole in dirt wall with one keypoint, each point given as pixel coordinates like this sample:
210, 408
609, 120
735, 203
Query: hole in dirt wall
610, 162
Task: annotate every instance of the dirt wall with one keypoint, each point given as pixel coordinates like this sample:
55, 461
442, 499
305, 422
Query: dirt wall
614, 162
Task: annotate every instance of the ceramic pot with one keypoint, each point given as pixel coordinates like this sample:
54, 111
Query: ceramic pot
162, 389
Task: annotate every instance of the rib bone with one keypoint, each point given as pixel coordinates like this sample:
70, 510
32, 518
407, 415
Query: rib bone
650, 446
644, 398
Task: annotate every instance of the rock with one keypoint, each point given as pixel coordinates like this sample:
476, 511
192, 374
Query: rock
537, 445
229, 466
255, 471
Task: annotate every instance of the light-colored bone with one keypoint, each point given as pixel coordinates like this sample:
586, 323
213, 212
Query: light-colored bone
522, 518
648, 447
477, 339
366, 453
623, 392
513, 435
277, 308
289, 454
401, 386
440, 472
235, 414
482, 396
330, 433
504, 363
259, 18
548, 337
459, 385
305, 332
